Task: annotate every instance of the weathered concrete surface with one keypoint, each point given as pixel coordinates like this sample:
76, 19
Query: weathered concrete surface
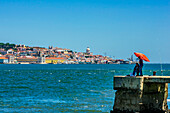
157, 79
144, 94
123, 82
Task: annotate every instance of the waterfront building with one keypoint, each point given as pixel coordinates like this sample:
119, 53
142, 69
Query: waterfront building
11, 59
3, 60
27, 60
41, 60
54, 60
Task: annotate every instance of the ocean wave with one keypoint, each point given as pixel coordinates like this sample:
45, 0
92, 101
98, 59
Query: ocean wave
51, 101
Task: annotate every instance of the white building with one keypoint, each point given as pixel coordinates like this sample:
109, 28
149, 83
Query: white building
11, 59
41, 60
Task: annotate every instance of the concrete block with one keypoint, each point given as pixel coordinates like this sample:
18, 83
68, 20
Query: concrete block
128, 83
141, 94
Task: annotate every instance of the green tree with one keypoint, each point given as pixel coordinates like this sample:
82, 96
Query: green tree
1, 43
7, 44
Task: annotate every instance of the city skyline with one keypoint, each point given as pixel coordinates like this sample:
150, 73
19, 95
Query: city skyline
23, 54
117, 28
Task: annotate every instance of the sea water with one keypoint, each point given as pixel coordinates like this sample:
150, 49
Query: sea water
64, 88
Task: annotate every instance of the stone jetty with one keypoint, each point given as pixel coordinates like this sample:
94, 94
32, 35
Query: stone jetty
141, 94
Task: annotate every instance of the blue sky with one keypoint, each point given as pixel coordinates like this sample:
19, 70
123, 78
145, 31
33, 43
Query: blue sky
115, 27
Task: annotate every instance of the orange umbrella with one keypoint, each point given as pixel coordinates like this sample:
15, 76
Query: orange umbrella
142, 56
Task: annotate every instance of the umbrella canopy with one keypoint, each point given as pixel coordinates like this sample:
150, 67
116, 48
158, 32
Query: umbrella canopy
142, 56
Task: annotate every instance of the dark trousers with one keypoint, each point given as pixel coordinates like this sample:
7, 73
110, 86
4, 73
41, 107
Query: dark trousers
136, 70
140, 70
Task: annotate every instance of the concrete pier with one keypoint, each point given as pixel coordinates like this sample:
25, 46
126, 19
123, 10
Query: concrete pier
141, 94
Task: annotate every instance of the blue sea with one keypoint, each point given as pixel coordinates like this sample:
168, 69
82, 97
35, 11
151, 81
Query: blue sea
62, 88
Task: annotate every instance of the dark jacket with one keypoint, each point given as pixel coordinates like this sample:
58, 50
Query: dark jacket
140, 62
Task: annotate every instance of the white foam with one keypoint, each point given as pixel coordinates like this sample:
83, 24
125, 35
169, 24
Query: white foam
52, 101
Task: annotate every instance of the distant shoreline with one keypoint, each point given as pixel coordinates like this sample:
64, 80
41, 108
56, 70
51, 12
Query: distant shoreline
88, 64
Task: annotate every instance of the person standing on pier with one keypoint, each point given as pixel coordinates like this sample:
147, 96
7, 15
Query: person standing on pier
140, 66
136, 70
141, 58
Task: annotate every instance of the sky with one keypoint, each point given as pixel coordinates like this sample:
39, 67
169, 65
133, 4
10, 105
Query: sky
109, 27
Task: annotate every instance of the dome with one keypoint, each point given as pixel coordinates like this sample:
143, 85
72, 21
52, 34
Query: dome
88, 48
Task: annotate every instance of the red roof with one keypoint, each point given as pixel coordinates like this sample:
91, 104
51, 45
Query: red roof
9, 54
54, 58
26, 58
3, 58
